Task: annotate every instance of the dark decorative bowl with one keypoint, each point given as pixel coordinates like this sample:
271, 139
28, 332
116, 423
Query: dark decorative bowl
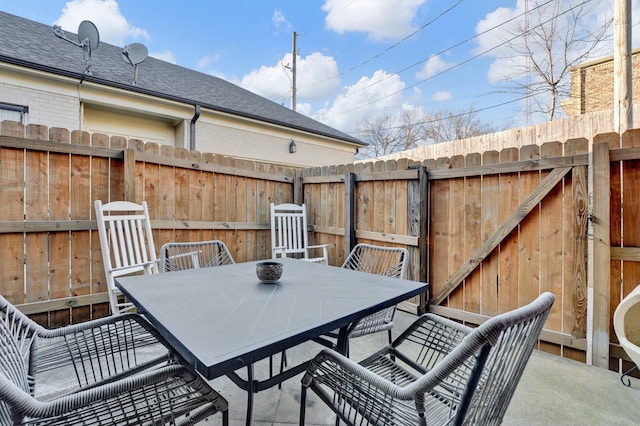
269, 272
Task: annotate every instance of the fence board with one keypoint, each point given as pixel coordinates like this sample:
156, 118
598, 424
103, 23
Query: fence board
489, 277
509, 194
529, 261
473, 213
552, 242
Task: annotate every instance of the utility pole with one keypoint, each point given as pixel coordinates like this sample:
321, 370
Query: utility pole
293, 73
623, 100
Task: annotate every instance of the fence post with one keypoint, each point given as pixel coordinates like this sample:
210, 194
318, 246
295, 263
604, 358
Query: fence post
130, 174
349, 212
601, 255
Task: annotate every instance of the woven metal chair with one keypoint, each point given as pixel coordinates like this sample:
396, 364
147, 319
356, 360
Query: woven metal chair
388, 261
170, 394
178, 256
127, 245
289, 234
436, 372
87, 353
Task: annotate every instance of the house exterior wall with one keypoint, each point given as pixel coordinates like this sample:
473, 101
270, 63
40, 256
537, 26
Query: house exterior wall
53, 105
592, 86
57, 101
225, 135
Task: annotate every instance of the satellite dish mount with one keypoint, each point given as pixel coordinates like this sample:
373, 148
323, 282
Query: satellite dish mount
88, 37
134, 54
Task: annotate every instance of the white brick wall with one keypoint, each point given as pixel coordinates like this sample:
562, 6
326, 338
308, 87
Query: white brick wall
45, 108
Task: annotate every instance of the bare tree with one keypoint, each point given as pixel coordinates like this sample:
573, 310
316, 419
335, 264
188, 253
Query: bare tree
446, 125
552, 37
387, 134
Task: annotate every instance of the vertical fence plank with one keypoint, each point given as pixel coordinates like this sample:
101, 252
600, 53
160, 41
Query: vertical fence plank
601, 255
12, 209
456, 237
102, 173
529, 241
575, 322
490, 197
473, 219
37, 243
59, 253
552, 235
509, 249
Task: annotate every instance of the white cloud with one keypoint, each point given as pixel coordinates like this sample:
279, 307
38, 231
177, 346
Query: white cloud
280, 22
433, 66
441, 96
165, 55
370, 96
313, 78
381, 19
105, 14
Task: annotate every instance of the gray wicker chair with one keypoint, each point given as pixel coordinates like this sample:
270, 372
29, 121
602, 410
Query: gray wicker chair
92, 352
175, 256
389, 261
170, 394
436, 372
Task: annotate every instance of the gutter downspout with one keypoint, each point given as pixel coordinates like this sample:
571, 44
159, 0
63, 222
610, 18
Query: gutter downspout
192, 128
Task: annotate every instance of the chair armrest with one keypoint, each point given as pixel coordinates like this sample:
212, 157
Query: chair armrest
279, 250
120, 397
337, 371
100, 350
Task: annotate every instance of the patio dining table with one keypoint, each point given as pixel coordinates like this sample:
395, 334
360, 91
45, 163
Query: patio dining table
222, 319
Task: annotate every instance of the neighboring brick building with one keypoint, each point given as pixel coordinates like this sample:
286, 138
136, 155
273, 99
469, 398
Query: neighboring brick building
592, 86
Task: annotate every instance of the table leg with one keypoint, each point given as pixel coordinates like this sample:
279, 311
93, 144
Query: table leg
341, 343
251, 387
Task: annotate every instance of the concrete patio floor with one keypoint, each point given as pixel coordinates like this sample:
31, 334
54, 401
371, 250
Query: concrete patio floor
553, 391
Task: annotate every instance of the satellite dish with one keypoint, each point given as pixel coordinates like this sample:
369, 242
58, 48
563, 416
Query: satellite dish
134, 54
88, 35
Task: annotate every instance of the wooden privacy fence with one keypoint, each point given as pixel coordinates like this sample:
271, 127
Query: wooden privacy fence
489, 231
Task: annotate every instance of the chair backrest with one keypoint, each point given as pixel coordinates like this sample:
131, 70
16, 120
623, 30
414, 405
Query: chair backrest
476, 370
513, 336
176, 256
389, 261
14, 381
126, 242
289, 230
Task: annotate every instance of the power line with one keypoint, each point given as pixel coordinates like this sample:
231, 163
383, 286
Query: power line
456, 65
384, 51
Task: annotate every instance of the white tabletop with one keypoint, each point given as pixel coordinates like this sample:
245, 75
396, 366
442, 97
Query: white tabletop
223, 318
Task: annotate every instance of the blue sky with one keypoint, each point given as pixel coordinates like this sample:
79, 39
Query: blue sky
357, 58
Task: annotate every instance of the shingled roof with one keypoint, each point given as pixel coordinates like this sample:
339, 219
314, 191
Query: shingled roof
34, 45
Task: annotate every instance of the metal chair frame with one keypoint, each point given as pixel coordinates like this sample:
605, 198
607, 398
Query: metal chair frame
176, 256
436, 372
124, 374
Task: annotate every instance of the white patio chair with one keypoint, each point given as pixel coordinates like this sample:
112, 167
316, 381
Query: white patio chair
289, 234
168, 394
626, 323
127, 245
176, 256
437, 372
